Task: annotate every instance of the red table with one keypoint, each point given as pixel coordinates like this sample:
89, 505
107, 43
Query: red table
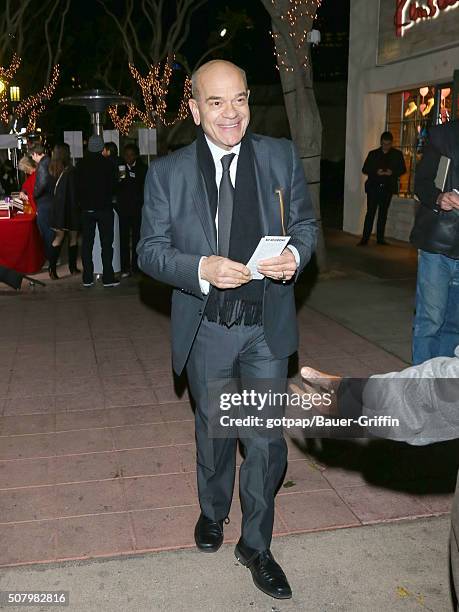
21, 246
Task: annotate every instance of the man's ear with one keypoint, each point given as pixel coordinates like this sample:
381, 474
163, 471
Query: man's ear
194, 110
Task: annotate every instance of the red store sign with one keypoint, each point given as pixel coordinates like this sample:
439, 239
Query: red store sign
409, 12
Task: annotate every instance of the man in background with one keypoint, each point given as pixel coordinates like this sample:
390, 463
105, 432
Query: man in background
436, 235
383, 166
129, 207
96, 181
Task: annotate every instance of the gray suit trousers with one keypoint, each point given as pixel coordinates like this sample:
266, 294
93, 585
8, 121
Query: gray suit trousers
225, 353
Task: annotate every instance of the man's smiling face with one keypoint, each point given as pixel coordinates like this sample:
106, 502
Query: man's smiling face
221, 104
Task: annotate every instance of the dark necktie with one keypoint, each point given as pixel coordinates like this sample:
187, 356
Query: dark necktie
225, 206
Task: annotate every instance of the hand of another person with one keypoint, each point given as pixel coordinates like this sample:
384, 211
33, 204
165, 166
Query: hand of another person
388, 172
279, 268
448, 200
380, 172
23, 196
317, 382
224, 273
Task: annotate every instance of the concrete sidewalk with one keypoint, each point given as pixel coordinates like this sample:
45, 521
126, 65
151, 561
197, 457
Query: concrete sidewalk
397, 567
370, 291
97, 456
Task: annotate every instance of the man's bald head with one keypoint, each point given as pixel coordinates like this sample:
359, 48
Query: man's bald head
208, 67
220, 102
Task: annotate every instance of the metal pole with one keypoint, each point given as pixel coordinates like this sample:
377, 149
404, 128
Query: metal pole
96, 123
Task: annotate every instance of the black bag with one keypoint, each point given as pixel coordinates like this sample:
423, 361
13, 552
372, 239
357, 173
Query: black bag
11, 277
436, 231
14, 279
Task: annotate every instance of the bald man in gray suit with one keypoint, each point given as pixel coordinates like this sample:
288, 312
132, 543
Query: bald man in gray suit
206, 208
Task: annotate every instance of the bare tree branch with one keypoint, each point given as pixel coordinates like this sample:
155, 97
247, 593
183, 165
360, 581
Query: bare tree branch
12, 26
157, 31
146, 12
58, 52
122, 29
134, 34
180, 31
48, 38
213, 49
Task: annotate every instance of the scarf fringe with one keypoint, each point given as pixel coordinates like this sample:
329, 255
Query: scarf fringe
234, 312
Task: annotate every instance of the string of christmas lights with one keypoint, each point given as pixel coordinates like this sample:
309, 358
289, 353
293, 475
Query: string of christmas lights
299, 16
6, 75
33, 105
33, 116
155, 88
123, 123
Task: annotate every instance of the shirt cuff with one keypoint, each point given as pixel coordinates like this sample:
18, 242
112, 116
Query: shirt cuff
295, 254
205, 285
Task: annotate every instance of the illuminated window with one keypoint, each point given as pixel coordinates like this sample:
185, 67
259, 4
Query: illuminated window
410, 113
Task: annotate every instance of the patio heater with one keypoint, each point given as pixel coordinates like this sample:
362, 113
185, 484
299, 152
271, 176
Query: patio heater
96, 102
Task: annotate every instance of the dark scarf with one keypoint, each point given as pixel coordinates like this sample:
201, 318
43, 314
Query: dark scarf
243, 305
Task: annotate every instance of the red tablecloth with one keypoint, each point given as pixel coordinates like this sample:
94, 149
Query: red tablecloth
21, 246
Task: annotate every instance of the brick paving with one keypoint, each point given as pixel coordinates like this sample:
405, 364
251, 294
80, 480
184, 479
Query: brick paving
97, 445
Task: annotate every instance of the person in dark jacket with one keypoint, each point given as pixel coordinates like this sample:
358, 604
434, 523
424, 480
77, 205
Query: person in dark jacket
43, 194
96, 180
129, 203
110, 151
383, 166
7, 179
436, 235
65, 213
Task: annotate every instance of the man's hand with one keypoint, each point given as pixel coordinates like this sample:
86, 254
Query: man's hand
388, 172
279, 268
448, 200
380, 172
224, 273
315, 381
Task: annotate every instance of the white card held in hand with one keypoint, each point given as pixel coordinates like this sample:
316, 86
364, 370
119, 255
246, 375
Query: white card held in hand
269, 246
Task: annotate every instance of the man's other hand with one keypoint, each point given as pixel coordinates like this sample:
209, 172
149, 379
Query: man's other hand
315, 381
448, 200
279, 268
224, 273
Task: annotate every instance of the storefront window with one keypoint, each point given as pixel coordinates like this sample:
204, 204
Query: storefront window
410, 113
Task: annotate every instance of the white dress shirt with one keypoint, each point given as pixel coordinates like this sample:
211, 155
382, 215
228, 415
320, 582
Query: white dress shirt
217, 154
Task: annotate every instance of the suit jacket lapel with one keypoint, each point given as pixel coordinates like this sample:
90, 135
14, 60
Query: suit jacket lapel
201, 202
263, 179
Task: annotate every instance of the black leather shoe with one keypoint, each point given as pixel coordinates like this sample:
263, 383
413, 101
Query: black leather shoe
208, 534
267, 575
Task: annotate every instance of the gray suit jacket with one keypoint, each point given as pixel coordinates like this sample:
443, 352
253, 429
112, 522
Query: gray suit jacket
178, 229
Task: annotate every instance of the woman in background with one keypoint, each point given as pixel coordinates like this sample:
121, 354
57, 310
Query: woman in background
65, 213
43, 196
29, 167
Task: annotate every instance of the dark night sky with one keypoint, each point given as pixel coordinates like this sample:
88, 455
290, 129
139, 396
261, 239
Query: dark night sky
89, 33
252, 48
